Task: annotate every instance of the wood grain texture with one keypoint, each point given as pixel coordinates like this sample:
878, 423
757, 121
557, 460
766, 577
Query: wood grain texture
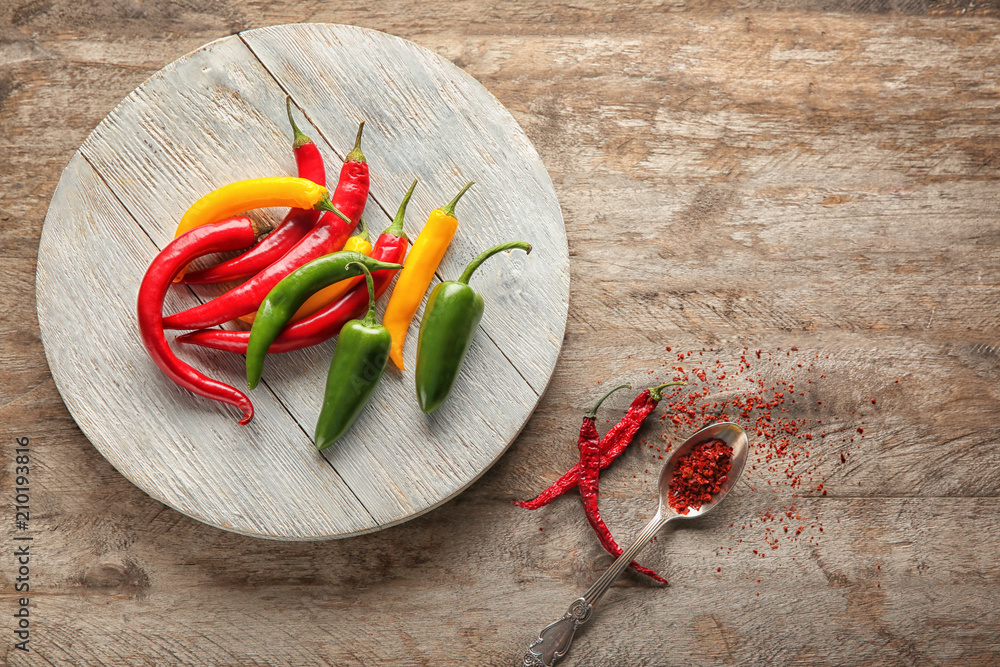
213, 117
812, 174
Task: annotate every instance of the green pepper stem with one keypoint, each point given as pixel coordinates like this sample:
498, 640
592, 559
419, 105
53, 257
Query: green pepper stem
300, 139
396, 228
656, 393
362, 229
593, 411
369, 318
449, 208
486, 254
325, 204
356, 155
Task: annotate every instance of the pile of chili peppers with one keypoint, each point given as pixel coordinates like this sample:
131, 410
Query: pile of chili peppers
302, 285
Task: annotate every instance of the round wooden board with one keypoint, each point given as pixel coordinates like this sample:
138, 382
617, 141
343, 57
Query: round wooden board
217, 115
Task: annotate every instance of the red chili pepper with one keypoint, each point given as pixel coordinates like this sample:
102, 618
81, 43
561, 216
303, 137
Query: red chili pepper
590, 457
324, 323
233, 234
296, 224
329, 235
308, 159
613, 444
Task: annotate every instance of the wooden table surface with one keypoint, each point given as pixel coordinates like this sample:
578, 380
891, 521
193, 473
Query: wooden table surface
822, 176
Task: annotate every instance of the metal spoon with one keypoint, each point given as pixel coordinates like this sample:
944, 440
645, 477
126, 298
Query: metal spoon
554, 640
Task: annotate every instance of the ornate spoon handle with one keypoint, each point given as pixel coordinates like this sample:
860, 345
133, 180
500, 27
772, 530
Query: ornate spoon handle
554, 640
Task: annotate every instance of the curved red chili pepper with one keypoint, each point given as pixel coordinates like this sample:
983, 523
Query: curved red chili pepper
329, 235
232, 234
296, 224
613, 444
271, 248
590, 456
321, 325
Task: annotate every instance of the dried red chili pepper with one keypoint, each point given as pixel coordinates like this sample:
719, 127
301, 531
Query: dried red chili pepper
326, 322
296, 224
328, 235
233, 234
699, 474
613, 444
590, 456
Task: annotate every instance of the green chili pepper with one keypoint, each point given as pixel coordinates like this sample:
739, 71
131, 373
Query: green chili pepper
446, 331
285, 298
357, 366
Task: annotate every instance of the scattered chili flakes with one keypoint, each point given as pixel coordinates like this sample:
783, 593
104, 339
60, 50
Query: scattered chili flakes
777, 405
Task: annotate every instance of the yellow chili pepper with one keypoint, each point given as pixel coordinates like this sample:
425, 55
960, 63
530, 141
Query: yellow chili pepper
247, 195
418, 270
242, 196
360, 242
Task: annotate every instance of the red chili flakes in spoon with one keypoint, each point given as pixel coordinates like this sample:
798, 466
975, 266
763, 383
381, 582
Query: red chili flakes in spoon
699, 475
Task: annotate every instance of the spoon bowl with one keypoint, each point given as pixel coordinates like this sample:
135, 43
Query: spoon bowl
727, 432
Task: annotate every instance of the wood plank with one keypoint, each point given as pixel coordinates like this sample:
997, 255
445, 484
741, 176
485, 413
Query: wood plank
878, 586
167, 144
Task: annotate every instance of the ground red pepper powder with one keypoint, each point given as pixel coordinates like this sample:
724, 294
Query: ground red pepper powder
699, 475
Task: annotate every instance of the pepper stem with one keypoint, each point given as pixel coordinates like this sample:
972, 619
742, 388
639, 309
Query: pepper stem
325, 204
593, 411
396, 228
369, 318
486, 254
300, 139
656, 393
260, 227
362, 229
449, 208
356, 155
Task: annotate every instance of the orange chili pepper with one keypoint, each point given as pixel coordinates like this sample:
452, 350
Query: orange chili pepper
415, 278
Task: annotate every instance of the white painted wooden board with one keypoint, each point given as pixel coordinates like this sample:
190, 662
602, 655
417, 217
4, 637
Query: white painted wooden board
217, 115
